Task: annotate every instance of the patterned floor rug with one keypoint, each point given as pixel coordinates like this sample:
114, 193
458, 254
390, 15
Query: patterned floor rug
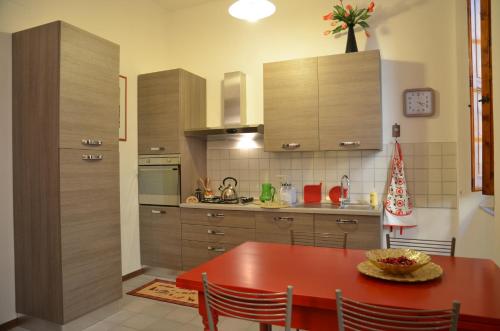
164, 290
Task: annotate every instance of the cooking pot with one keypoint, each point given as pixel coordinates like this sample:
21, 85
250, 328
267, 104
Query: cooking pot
228, 191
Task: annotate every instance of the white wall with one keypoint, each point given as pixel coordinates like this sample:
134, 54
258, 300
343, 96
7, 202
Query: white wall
7, 295
420, 47
139, 27
415, 39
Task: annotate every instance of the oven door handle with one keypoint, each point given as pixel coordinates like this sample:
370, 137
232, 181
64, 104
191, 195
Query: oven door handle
163, 168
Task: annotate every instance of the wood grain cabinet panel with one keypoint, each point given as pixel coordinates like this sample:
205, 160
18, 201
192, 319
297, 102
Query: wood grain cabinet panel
349, 101
193, 98
89, 90
363, 232
275, 227
207, 233
291, 105
66, 194
90, 230
217, 234
214, 217
160, 236
158, 112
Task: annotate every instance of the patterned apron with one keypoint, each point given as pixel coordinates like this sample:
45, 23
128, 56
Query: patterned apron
398, 201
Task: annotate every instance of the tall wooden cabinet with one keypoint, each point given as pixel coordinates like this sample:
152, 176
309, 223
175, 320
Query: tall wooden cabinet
323, 103
168, 102
66, 172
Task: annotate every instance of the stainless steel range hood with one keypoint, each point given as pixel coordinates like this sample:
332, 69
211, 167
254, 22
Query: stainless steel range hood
234, 110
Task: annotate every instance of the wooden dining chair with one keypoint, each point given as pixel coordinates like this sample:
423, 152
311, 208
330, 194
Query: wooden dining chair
265, 308
355, 315
318, 239
437, 247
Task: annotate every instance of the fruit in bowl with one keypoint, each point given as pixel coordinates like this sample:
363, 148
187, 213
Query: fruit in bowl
398, 260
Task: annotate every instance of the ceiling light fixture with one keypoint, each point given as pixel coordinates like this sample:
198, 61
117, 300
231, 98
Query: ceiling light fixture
252, 10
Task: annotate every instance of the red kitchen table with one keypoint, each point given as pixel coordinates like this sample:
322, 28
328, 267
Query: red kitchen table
316, 272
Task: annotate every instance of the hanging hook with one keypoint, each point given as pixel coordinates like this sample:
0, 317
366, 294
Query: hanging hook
396, 131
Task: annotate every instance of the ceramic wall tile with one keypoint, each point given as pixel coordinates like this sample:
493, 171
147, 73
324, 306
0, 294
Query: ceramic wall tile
430, 170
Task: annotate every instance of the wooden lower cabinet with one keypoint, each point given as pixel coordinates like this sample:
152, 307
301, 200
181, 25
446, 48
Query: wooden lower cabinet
363, 232
90, 230
160, 237
207, 233
214, 217
275, 227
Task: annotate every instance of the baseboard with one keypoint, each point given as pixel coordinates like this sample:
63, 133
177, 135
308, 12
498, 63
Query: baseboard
9, 325
132, 274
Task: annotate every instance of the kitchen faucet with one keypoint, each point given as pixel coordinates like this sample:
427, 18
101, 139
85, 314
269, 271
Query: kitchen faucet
345, 183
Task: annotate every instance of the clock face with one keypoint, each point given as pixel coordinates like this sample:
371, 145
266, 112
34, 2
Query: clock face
419, 102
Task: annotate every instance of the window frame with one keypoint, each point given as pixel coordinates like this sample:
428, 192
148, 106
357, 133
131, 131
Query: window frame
487, 187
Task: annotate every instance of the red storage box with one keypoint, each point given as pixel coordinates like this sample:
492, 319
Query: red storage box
312, 193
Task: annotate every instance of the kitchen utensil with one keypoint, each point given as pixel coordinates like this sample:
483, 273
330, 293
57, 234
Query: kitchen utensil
334, 194
245, 200
268, 192
202, 182
228, 191
427, 272
312, 193
198, 193
376, 255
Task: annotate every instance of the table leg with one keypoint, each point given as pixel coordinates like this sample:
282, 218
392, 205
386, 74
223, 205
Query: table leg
203, 312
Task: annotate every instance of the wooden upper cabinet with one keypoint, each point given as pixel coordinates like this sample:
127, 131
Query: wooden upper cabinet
291, 105
89, 90
158, 112
168, 103
350, 115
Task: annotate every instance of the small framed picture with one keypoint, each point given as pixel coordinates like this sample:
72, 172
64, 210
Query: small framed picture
122, 135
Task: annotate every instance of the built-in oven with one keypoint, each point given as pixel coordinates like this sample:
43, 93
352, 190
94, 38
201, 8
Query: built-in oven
159, 180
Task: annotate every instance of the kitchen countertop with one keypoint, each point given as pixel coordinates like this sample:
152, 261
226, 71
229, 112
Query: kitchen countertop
323, 208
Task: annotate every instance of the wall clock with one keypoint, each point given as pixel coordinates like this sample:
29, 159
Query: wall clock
419, 102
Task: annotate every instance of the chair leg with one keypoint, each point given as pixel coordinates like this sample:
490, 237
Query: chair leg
265, 327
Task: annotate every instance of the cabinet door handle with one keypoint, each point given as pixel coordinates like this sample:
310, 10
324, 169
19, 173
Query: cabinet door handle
154, 211
290, 146
350, 143
216, 233
91, 142
341, 221
219, 215
288, 219
216, 249
156, 149
90, 157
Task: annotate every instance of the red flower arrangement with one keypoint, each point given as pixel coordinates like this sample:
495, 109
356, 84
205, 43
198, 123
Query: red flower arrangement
349, 16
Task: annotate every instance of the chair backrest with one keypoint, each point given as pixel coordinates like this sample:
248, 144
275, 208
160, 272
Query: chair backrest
267, 308
318, 239
354, 315
437, 247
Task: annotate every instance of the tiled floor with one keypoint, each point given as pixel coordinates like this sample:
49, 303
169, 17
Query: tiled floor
133, 313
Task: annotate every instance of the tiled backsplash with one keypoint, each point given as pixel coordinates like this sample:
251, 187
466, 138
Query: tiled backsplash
430, 170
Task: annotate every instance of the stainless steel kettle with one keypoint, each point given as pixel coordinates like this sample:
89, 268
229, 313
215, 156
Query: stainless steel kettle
228, 191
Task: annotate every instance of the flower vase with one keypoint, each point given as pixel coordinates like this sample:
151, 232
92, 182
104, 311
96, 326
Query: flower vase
351, 46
